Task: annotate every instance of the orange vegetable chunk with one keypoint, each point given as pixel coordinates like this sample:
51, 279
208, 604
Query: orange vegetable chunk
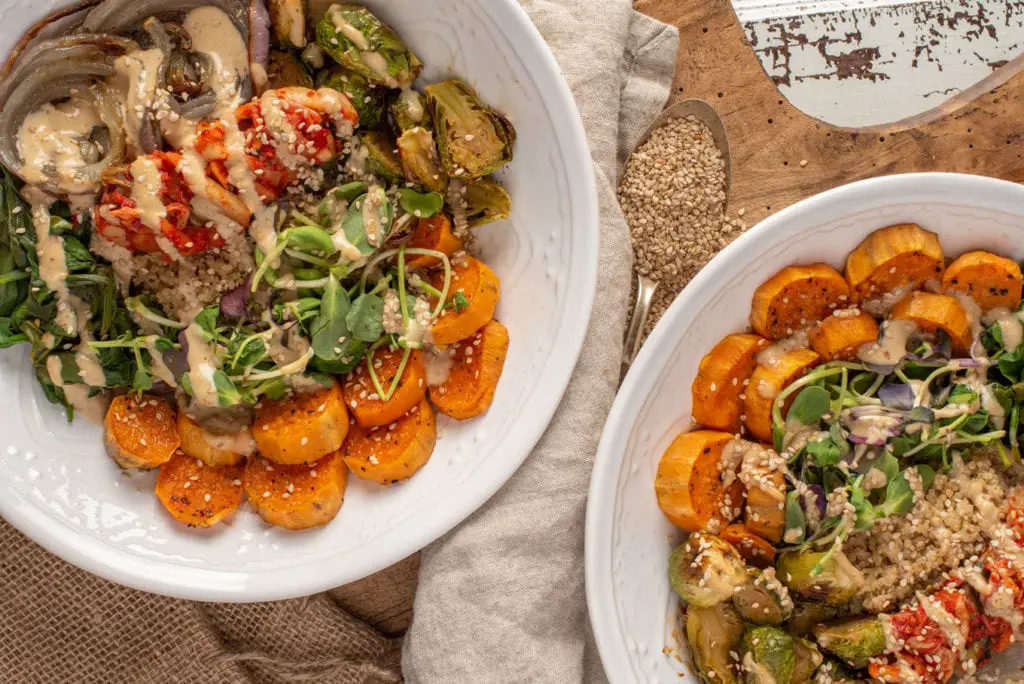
301, 428
755, 549
212, 449
366, 404
139, 432
934, 312
476, 365
766, 383
721, 380
839, 336
196, 494
989, 279
795, 297
479, 286
901, 256
299, 496
432, 233
394, 452
689, 484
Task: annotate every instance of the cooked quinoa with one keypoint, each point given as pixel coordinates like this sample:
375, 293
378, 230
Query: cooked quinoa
903, 554
192, 282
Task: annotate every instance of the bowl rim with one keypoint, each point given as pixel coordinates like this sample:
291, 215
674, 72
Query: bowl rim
612, 642
222, 585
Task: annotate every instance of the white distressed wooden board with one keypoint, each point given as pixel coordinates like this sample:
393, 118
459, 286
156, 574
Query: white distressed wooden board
870, 62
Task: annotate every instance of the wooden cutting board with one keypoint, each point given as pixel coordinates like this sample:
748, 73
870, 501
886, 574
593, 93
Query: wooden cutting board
780, 156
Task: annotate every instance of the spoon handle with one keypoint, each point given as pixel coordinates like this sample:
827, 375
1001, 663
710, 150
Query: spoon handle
645, 288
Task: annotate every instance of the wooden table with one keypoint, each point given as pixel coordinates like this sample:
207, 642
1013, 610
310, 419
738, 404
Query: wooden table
779, 156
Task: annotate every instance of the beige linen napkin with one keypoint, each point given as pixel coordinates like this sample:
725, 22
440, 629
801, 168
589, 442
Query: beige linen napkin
502, 597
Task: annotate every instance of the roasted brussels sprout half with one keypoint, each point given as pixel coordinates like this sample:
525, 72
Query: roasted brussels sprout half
712, 633
409, 110
837, 582
381, 158
419, 159
806, 659
285, 69
767, 656
763, 601
473, 139
368, 100
705, 570
806, 616
288, 19
853, 641
360, 42
486, 201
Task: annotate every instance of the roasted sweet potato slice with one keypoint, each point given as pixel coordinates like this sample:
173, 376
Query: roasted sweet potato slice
795, 297
765, 513
755, 549
301, 428
476, 365
989, 279
689, 483
479, 289
840, 335
196, 494
394, 452
139, 431
213, 449
721, 379
766, 383
934, 312
296, 496
361, 395
900, 256
432, 233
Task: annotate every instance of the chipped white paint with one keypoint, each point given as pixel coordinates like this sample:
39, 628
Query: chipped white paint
870, 62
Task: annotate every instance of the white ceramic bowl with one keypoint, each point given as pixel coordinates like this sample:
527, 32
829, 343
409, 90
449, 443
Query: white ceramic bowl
58, 486
632, 607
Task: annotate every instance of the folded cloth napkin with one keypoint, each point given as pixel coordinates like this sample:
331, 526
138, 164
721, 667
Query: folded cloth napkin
502, 597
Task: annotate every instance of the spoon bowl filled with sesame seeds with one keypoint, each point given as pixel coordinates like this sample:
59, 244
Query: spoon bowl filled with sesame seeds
276, 310
838, 496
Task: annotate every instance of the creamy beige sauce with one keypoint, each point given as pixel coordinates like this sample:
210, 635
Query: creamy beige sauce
208, 211
93, 408
347, 249
438, 366
371, 216
240, 442
948, 625
772, 355
1010, 326
119, 257
202, 364
346, 28
296, 23
880, 306
157, 364
973, 311
376, 63
874, 428
86, 358
48, 142
138, 72
53, 268
212, 32
891, 346
410, 99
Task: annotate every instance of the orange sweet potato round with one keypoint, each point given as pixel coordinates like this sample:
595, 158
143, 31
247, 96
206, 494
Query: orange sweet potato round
900, 256
139, 431
296, 497
989, 279
476, 365
393, 452
721, 380
839, 336
211, 449
934, 312
432, 233
365, 403
480, 287
795, 297
689, 484
766, 383
755, 549
196, 494
301, 428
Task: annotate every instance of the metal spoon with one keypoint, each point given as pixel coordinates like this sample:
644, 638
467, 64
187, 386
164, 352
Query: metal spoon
645, 286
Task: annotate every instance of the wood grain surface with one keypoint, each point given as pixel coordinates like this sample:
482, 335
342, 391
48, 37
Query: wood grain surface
780, 156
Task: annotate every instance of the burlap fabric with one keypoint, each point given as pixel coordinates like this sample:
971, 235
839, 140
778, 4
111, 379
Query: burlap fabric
501, 598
